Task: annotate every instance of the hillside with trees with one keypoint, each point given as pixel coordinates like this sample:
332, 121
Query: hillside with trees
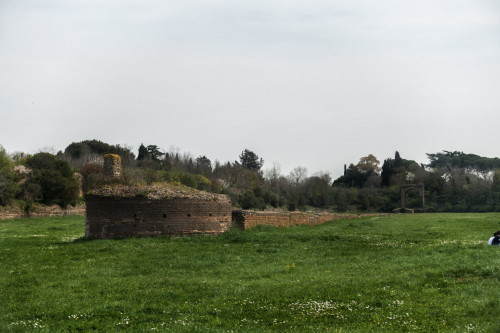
453, 181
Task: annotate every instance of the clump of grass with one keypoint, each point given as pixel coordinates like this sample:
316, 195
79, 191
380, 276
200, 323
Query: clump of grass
393, 273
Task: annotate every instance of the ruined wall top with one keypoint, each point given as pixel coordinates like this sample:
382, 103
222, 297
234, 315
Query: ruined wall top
112, 166
155, 191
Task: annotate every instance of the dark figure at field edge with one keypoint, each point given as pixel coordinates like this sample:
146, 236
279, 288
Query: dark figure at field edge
495, 240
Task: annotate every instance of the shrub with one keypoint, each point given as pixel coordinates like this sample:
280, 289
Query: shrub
202, 182
8, 181
90, 168
249, 200
272, 199
53, 178
215, 186
151, 175
8, 186
188, 180
92, 176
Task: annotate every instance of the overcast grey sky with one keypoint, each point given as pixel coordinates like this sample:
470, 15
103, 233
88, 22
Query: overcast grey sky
314, 84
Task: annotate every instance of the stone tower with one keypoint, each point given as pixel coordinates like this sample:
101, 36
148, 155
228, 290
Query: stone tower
112, 166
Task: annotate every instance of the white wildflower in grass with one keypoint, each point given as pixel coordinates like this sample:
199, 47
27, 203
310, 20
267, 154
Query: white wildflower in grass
470, 328
350, 310
35, 323
78, 316
183, 322
398, 302
402, 320
314, 308
123, 322
18, 323
458, 242
391, 244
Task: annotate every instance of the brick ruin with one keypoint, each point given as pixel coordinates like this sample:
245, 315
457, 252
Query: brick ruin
112, 166
162, 209
120, 217
15, 212
246, 219
118, 211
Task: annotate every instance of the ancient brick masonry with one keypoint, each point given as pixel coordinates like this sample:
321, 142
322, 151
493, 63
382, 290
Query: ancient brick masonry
41, 211
118, 218
112, 166
109, 215
245, 219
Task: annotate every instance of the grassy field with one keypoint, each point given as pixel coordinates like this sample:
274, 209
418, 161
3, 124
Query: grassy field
400, 273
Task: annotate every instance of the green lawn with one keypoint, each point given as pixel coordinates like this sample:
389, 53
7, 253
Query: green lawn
401, 273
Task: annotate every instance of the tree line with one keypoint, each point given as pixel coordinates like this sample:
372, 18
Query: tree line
453, 181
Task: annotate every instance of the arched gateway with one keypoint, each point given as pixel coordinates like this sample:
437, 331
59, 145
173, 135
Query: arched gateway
406, 188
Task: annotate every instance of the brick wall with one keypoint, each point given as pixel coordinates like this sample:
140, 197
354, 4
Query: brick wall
117, 218
42, 211
246, 219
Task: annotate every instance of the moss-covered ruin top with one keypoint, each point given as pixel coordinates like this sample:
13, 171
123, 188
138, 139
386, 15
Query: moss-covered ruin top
156, 191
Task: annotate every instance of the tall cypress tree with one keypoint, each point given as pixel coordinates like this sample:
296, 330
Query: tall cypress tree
143, 153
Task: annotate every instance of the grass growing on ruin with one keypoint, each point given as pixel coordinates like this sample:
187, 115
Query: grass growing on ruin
411, 273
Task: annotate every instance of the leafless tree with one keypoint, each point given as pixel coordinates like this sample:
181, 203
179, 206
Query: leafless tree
272, 175
298, 175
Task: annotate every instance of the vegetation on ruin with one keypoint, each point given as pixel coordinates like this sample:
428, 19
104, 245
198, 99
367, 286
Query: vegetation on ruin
153, 191
395, 273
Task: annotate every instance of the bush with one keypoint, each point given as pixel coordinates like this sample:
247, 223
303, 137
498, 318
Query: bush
215, 186
202, 182
52, 180
93, 180
90, 168
151, 175
192, 180
55, 188
272, 199
342, 198
249, 200
92, 176
9, 186
188, 180
292, 206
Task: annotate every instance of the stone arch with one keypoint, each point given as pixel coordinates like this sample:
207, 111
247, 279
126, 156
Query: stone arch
406, 188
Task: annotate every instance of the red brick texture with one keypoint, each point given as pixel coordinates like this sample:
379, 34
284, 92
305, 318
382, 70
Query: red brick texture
133, 217
245, 219
42, 211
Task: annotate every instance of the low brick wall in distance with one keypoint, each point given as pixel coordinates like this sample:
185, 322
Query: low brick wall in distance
41, 211
246, 219
132, 217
